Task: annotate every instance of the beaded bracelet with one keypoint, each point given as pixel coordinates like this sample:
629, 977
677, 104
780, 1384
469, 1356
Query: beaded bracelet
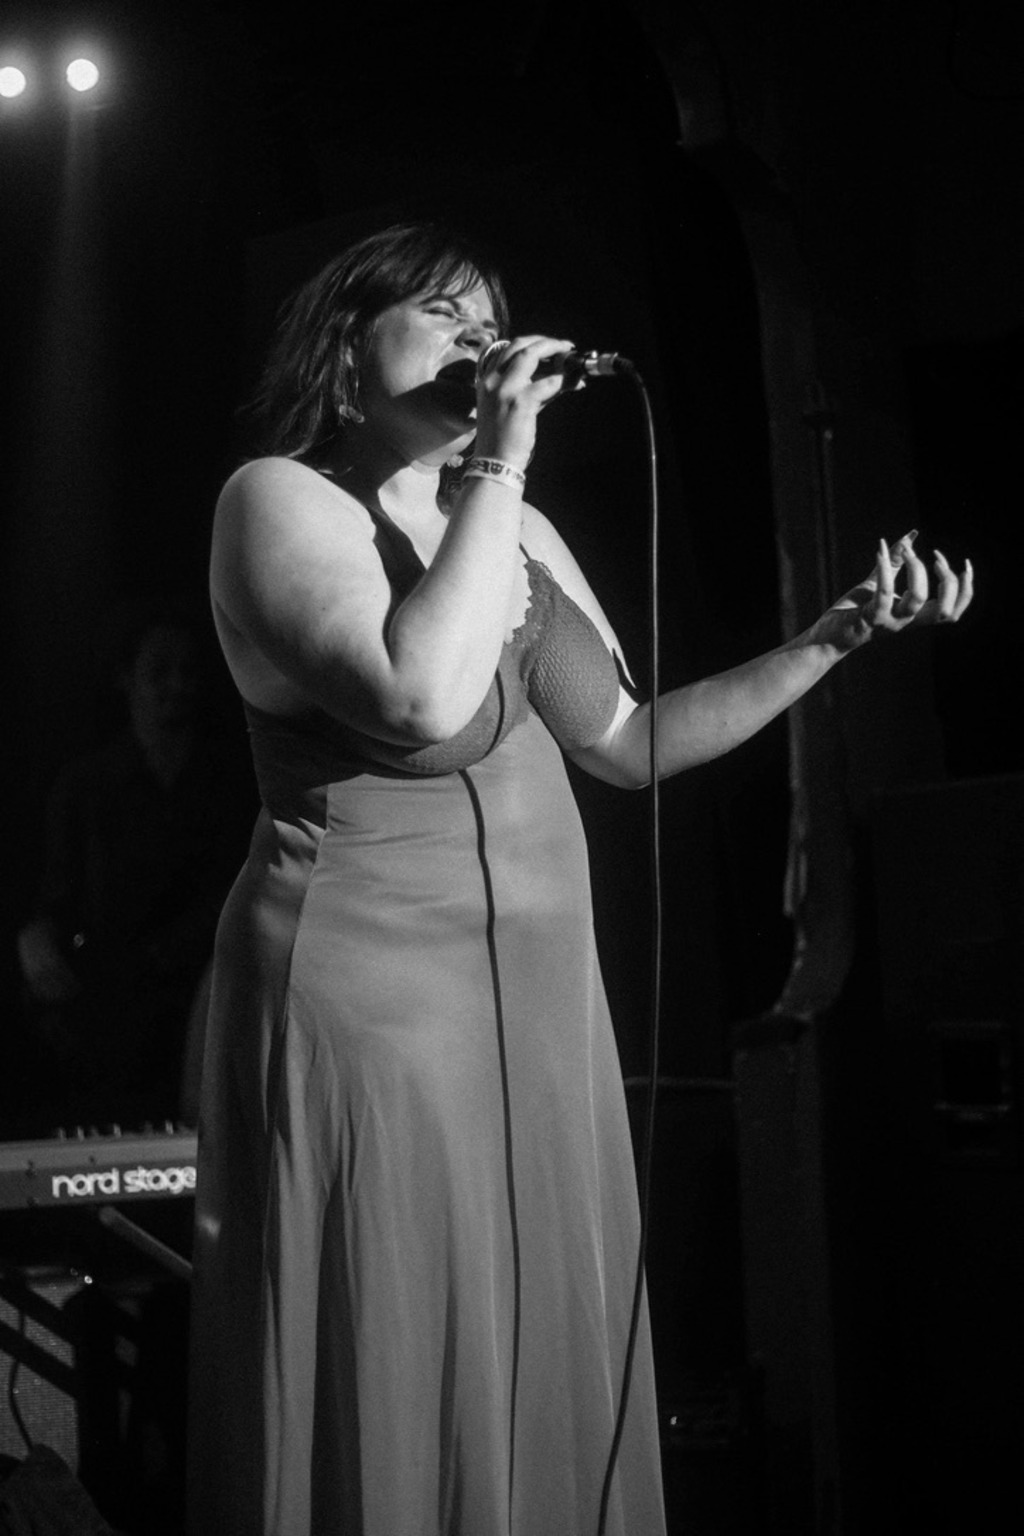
495, 469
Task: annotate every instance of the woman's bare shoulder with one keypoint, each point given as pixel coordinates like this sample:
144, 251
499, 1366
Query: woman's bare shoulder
284, 534
297, 585
535, 525
282, 514
263, 487
544, 543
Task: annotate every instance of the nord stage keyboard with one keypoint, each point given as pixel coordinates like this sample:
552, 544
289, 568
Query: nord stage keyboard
81, 1170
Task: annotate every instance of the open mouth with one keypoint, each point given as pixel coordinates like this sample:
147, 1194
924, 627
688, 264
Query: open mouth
458, 382
462, 371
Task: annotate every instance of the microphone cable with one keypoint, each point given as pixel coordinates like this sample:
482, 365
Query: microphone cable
627, 370
608, 364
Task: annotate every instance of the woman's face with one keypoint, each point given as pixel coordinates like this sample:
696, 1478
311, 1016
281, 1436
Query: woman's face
417, 378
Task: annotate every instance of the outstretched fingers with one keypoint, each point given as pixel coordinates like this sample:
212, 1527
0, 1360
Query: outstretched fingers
954, 592
882, 585
908, 605
891, 610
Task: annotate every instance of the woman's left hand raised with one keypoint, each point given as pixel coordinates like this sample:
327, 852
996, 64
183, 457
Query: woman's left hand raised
882, 603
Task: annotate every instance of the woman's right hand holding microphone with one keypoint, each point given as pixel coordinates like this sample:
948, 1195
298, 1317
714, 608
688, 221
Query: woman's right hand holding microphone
509, 397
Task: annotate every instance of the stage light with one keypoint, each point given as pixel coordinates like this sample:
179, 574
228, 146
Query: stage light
12, 81
82, 74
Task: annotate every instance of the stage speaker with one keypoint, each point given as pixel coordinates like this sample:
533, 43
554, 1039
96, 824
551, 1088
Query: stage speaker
93, 1344
708, 1395
948, 864
38, 1403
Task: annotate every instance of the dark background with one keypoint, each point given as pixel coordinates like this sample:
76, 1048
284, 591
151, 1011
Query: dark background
148, 240
607, 151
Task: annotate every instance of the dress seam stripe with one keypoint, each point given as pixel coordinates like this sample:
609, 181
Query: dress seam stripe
499, 1016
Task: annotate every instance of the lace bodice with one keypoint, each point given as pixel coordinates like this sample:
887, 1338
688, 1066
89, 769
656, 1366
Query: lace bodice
553, 662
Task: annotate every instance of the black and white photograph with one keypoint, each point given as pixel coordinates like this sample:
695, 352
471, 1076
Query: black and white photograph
513, 919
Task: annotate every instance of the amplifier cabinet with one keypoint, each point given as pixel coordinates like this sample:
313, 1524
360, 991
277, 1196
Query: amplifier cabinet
37, 1361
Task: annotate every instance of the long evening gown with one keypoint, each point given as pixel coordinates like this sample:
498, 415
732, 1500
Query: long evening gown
417, 1227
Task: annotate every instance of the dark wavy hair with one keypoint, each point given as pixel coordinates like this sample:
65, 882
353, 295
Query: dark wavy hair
311, 380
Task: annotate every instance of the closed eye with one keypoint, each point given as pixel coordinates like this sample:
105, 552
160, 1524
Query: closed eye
452, 310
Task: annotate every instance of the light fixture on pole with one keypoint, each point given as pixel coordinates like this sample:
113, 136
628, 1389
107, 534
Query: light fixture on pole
12, 81
82, 75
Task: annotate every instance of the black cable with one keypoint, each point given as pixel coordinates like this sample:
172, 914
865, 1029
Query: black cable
654, 832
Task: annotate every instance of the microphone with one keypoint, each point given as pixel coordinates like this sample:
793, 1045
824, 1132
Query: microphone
573, 366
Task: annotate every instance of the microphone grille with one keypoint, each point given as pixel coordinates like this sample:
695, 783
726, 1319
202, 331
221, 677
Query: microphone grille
490, 352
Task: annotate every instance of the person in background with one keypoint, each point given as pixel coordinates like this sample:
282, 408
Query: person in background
141, 838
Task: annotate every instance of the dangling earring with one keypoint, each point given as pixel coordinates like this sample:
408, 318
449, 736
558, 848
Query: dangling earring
348, 410
456, 461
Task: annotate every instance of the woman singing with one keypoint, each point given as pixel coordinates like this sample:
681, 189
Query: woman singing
417, 1220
